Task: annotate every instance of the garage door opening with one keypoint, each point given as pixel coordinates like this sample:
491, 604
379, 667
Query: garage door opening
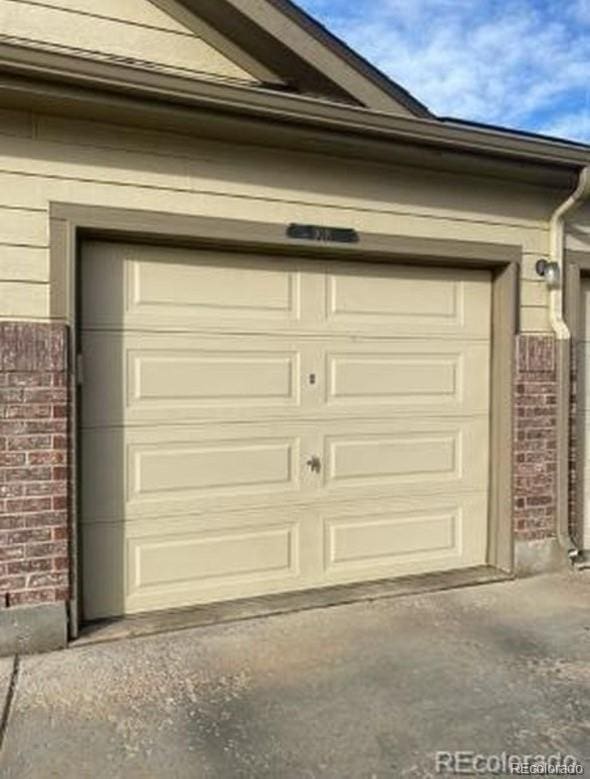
254, 425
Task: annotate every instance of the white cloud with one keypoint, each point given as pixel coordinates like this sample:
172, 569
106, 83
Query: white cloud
520, 63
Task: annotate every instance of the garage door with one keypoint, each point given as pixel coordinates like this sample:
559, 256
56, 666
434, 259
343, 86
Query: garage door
584, 405
253, 425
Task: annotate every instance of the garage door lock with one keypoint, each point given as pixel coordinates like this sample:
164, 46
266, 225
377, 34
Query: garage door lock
314, 464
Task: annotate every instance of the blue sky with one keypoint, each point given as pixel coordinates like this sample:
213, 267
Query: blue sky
517, 63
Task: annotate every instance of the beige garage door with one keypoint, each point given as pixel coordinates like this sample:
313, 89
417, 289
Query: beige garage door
254, 425
584, 406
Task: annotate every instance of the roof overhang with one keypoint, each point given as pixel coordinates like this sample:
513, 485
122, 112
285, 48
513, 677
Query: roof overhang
59, 83
301, 51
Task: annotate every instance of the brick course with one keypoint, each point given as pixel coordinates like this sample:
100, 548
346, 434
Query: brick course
34, 464
535, 438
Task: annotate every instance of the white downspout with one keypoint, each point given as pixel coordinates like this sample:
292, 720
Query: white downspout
556, 252
563, 336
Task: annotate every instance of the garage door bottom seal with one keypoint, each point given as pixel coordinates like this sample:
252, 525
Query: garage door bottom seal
154, 622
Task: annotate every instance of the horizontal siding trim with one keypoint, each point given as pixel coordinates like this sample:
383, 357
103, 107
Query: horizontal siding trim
221, 169
534, 293
160, 21
23, 300
214, 204
20, 227
534, 319
50, 27
20, 263
33, 199
207, 162
162, 68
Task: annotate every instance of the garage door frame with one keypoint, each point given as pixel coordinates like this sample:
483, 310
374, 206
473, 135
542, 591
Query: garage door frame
71, 224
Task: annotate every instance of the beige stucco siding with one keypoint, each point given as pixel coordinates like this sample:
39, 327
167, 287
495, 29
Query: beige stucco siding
134, 30
48, 159
131, 11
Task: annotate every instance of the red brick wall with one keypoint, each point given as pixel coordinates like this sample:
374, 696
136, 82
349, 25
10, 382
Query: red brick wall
535, 438
34, 429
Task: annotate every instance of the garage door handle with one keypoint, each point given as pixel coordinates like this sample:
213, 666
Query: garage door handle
314, 464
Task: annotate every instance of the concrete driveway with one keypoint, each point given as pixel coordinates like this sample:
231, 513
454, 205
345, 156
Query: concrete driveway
364, 691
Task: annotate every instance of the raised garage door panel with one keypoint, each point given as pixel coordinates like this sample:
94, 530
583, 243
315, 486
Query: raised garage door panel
211, 379
136, 472
367, 540
154, 471
436, 455
192, 559
178, 289
163, 377
147, 288
364, 299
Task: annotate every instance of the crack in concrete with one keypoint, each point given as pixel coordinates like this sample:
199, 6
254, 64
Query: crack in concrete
9, 700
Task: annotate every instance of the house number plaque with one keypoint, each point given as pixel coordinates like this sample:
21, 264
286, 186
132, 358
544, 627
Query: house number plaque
322, 234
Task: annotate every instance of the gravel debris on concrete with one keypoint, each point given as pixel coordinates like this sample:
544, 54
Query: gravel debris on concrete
362, 691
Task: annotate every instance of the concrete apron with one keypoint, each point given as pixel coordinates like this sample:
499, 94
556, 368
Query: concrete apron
6, 665
7, 679
363, 691
32, 629
281, 603
43, 628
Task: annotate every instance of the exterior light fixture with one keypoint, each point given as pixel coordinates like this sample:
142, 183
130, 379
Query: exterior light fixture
550, 272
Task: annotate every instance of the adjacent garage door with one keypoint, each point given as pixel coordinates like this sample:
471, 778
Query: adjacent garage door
254, 425
584, 405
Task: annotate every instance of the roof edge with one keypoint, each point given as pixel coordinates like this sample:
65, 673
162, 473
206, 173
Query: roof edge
24, 68
291, 43
503, 130
364, 67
